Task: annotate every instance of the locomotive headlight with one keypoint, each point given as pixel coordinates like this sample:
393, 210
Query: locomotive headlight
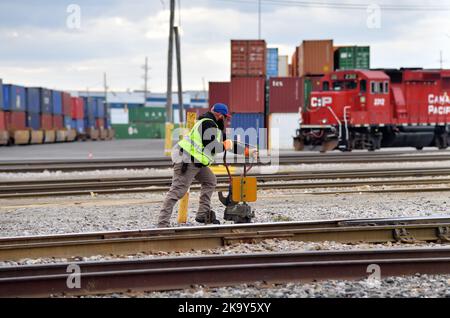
324, 121
363, 99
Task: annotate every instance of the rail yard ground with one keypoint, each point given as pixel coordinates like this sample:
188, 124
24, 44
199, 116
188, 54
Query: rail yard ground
330, 198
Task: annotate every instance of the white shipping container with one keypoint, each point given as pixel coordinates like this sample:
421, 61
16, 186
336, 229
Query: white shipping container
283, 66
282, 129
119, 116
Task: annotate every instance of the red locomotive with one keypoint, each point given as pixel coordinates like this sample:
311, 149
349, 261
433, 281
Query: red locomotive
378, 108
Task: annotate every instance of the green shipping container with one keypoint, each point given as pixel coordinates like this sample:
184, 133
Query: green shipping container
352, 57
140, 131
307, 94
147, 115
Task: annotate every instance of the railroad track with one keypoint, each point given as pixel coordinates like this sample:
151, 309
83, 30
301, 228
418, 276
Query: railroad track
63, 187
164, 162
184, 272
404, 230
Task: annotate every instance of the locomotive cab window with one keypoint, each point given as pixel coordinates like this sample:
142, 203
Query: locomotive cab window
386, 87
380, 88
363, 86
326, 86
373, 87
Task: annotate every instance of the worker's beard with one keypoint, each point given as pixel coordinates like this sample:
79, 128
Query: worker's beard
221, 124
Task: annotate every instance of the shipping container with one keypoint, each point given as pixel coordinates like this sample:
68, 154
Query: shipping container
16, 120
46, 101
99, 110
249, 128
148, 115
219, 92
283, 66
100, 123
248, 58
285, 94
14, 98
282, 128
58, 121
310, 84
34, 121
67, 104
139, 131
315, 57
77, 108
57, 103
33, 101
247, 94
272, 62
1, 95
78, 125
352, 58
2, 121
120, 116
47, 121
294, 63
198, 111
68, 122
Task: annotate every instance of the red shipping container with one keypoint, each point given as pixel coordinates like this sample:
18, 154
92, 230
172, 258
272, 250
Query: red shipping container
100, 123
58, 121
219, 92
247, 94
2, 121
16, 120
46, 121
67, 104
285, 94
77, 108
248, 58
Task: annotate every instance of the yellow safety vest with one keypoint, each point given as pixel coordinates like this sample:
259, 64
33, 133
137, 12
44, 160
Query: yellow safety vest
193, 144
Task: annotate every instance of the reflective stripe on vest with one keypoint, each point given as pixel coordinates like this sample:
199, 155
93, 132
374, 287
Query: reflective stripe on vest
193, 144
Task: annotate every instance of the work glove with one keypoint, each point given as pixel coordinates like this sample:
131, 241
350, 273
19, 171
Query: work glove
228, 145
251, 153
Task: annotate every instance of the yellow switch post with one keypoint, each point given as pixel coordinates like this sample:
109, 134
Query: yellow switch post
168, 143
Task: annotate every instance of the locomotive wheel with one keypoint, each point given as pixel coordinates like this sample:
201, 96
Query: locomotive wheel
419, 148
329, 145
299, 144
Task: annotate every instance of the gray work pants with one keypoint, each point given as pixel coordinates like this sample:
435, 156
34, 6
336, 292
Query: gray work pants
180, 185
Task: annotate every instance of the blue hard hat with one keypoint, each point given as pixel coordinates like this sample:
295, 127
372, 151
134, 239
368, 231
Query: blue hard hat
221, 109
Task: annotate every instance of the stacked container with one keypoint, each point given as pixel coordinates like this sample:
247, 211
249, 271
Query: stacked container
57, 106
352, 57
77, 111
143, 123
219, 92
4, 135
67, 110
313, 58
272, 62
247, 90
14, 106
283, 66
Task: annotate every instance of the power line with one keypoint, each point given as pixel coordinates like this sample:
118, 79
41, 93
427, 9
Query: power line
343, 6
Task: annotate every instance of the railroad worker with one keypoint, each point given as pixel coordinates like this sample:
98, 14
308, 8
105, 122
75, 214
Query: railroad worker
192, 157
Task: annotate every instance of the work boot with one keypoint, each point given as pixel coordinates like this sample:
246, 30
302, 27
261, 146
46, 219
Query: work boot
208, 218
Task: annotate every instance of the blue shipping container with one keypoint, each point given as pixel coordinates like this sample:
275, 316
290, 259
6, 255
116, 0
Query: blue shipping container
249, 128
34, 121
33, 101
272, 62
1, 94
57, 103
14, 98
68, 122
46, 100
100, 108
78, 125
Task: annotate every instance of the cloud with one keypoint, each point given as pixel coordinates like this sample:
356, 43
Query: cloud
115, 37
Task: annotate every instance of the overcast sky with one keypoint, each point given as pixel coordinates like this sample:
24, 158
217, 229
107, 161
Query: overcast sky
41, 44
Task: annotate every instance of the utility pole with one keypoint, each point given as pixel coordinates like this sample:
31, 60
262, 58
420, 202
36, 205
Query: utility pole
259, 19
169, 64
145, 80
105, 86
180, 87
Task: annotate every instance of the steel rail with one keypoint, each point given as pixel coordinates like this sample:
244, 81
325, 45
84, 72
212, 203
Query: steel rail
405, 230
164, 162
183, 272
33, 188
